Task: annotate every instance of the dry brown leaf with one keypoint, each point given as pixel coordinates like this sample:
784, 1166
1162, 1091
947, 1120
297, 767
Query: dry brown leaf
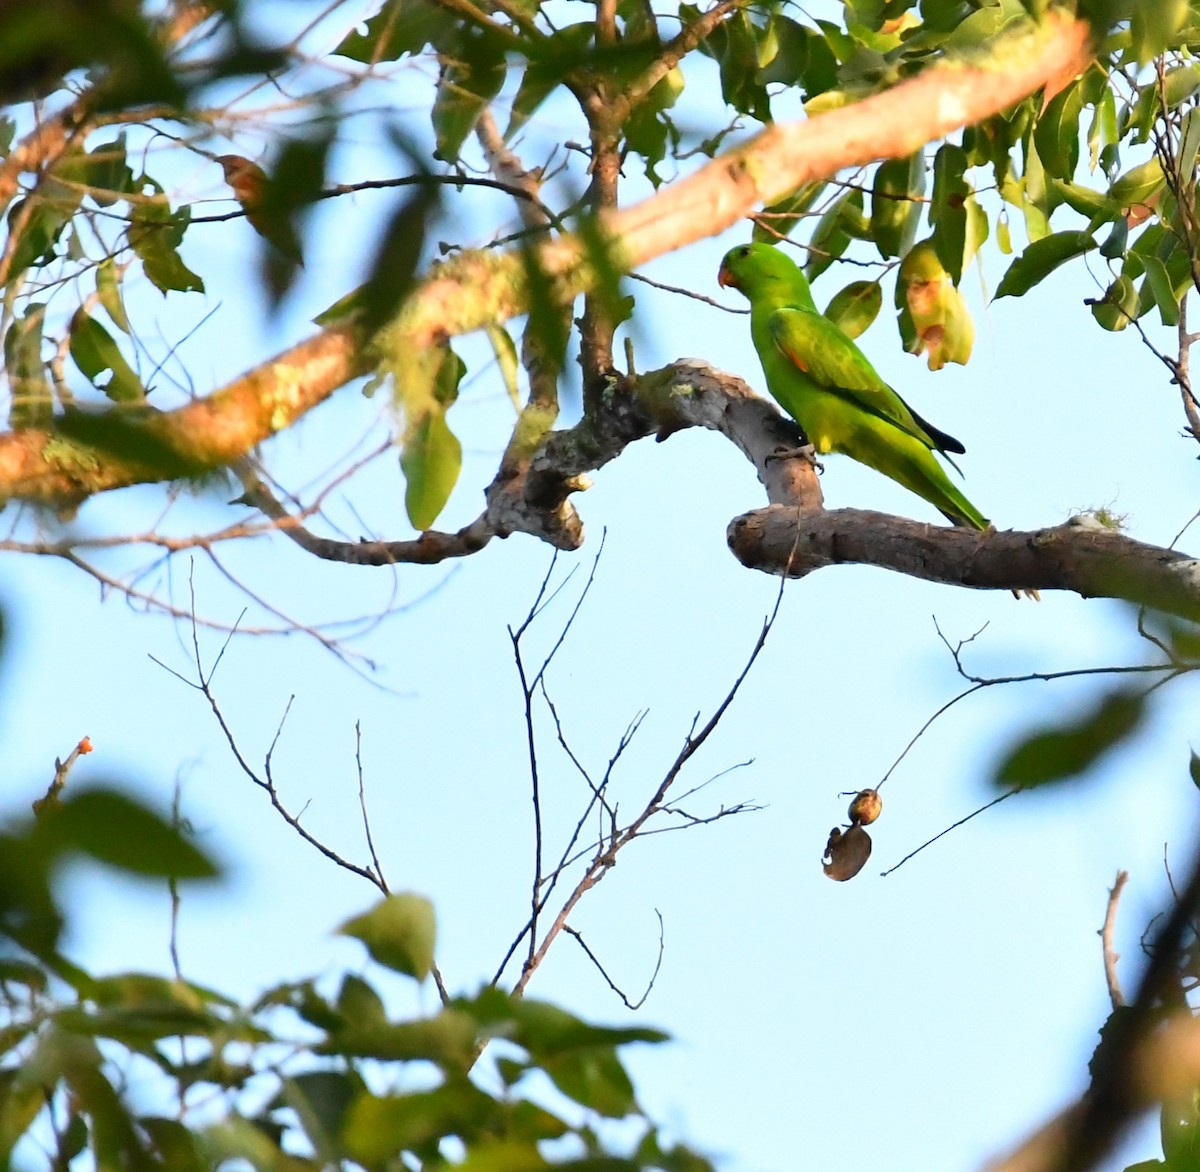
846, 852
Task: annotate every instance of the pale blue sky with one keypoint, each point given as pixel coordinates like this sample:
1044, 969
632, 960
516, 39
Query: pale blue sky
923, 1021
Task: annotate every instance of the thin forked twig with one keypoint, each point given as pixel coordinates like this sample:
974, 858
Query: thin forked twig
608, 980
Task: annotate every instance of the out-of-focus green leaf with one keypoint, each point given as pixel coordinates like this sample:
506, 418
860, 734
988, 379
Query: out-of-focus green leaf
22, 1099
376, 1128
1154, 25
1068, 749
855, 307
321, 1100
468, 82
31, 401
506, 359
1040, 259
1194, 768
550, 61
595, 1078
174, 1143
393, 271
546, 1030
1179, 1127
448, 1040
399, 932
118, 831
97, 355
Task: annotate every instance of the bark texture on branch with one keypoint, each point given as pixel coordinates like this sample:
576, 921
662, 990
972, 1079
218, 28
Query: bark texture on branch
1081, 556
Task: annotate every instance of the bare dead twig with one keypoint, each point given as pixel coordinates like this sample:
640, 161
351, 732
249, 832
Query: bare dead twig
1111, 956
610, 844
266, 781
608, 980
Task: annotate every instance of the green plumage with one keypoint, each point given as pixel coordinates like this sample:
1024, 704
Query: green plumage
824, 381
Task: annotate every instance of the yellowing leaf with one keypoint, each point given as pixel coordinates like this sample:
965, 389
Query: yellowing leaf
941, 325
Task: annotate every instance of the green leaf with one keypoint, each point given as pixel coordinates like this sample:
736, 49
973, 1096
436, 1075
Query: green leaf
107, 172
431, 460
400, 27
505, 351
37, 222
96, 354
1040, 259
22, 1100
1119, 305
1086, 201
1057, 132
1138, 184
831, 236
399, 933
155, 233
1069, 749
947, 211
468, 82
1194, 768
1165, 296
896, 204
1179, 84
855, 307
1102, 133
32, 404
108, 291
118, 831
1189, 142
778, 219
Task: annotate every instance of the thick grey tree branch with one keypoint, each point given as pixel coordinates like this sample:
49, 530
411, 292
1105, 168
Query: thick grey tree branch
1082, 555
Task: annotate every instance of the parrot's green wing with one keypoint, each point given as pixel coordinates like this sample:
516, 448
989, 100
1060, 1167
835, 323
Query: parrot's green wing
831, 360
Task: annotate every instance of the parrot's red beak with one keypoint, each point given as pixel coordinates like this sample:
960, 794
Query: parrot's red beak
725, 278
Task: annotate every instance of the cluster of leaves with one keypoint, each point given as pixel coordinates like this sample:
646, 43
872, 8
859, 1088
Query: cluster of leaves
297, 1071
1117, 146
1133, 110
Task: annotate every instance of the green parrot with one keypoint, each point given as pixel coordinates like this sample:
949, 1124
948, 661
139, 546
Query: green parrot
824, 381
